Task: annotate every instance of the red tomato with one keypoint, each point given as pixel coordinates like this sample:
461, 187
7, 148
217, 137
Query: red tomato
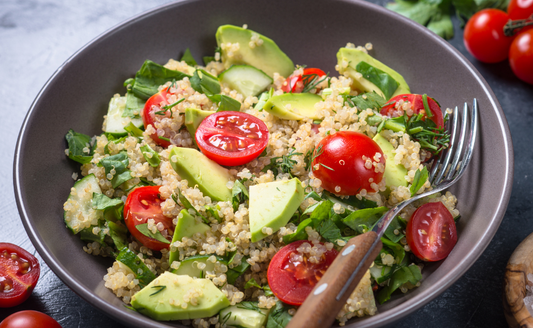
154, 105
296, 83
292, 280
144, 203
416, 104
232, 138
521, 56
347, 162
19, 273
520, 9
27, 319
484, 38
431, 232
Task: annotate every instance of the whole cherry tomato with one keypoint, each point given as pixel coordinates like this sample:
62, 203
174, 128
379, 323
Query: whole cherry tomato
521, 56
520, 9
154, 111
484, 38
27, 319
19, 273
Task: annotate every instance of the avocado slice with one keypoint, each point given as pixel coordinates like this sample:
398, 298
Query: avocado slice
301, 105
272, 205
394, 173
187, 226
193, 118
355, 56
159, 299
200, 171
244, 314
267, 57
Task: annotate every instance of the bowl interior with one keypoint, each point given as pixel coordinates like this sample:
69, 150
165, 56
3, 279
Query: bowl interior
310, 33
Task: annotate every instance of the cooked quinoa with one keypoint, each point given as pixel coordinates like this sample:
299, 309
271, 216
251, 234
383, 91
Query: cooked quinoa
232, 233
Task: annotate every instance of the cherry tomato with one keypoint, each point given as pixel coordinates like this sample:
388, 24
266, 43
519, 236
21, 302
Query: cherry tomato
232, 138
19, 273
431, 232
521, 56
415, 104
142, 204
296, 83
484, 38
347, 162
291, 277
153, 113
520, 9
27, 319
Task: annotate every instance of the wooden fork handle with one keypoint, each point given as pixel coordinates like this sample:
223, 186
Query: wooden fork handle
321, 306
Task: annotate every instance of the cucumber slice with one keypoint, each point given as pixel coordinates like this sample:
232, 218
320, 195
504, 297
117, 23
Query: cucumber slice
244, 314
189, 266
247, 80
79, 212
114, 122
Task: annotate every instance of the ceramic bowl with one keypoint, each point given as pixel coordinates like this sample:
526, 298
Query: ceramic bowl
310, 32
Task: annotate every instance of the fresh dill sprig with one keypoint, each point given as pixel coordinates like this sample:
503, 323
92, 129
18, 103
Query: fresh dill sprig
161, 288
311, 81
282, 164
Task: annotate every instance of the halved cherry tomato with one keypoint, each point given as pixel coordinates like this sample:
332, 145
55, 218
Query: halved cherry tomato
431, 232
296, 83
142, 204
347, 162
154, 105
292, 280
521, 56
232, 138
19, 273
484, 38
27, 319
414, 105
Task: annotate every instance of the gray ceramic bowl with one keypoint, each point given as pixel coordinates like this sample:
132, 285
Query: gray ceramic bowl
310, 32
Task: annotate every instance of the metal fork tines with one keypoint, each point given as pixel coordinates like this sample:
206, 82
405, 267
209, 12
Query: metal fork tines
446, 169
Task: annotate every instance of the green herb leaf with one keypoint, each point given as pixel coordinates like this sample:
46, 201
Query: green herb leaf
420, 179
300, 233
410, 274
118, 234
352, 200
150, 155
282, 164
251, 283
151, 76
268, 291
367, 100
204, 82
239, 194
133, 130
364, 219
102, 202
237, 271
188, 58
187, 204
80, 147
252, 306
134, 105
159, 289
143, 228
381, 79
279, 317
330, 232
208, 59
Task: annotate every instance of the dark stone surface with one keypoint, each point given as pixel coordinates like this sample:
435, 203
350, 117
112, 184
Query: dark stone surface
36, 37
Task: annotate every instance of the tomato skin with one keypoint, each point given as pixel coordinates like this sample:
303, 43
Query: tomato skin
295, 83
232, 138
142, 204
292, 283
343, 153
520, 9
28, 318
19, 273
417, 106
521, 56
484, 38
154, 104
431, 233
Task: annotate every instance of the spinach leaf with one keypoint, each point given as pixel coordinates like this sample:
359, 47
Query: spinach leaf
237, 271
329, 231
119, 163
204, 82
102, 202
401, 276
279, 317
382, 80
300, 233
239, 194
150, 155
118, 234
367, 100
151, 76
134, 105
88, 235
143, 228
363, 220
225, 103
352, 200
394, 248
80, 147
420, 178
251, 283
208, 59
394, 225
188, 58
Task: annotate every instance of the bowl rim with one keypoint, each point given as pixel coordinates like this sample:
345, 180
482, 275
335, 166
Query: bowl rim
407, 307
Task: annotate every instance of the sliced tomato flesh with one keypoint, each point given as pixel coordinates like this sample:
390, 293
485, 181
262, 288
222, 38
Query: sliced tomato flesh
19, 273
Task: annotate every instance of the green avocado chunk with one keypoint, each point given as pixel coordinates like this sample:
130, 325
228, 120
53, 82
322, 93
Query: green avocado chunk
193, 118
244, 314
200, 171
162, 299
293, 106
272, 205
264, 55
394, 173
187, 226
355, 56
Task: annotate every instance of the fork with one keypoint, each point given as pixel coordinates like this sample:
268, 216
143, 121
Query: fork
332, 291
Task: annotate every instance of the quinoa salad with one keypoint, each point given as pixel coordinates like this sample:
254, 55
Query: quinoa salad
223, 190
